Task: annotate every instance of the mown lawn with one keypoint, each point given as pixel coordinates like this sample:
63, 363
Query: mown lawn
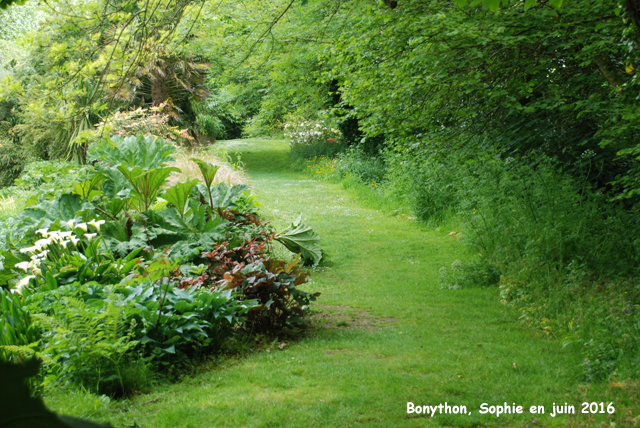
385, 334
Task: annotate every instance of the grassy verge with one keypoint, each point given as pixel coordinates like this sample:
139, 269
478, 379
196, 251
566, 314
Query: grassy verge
386, 334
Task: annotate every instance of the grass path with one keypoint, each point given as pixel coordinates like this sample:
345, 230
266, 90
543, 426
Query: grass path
390, 335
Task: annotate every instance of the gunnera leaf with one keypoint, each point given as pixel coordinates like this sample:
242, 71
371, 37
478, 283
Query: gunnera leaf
300, 238
143, 151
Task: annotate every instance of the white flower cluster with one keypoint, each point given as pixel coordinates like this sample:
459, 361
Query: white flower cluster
39, 251
308, 133
588, 154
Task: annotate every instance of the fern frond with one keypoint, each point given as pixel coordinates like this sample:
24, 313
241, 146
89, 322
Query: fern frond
24, 352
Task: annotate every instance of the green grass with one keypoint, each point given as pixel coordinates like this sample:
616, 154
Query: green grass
386, 334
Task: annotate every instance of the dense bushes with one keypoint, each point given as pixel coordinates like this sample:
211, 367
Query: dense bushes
112, 276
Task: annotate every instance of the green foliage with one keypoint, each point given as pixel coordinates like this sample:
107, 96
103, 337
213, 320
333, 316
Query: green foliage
76, 72
355, 162
51, 177
229, 197
300, 238
225, 112
494, 5
142, 151
146, 183
148, 121
178, 195
87, 343
528, 209
176, 324
16, 325
271, 284
208, 171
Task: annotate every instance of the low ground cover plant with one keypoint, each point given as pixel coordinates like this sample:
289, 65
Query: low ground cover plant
114, 277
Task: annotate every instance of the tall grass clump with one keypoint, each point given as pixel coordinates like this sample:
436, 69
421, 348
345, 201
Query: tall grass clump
426, 182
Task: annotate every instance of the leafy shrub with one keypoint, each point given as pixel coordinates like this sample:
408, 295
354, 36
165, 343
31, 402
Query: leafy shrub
16, 325
351, 163
88, 344
49, 176
311, 138
226, 111
529, 209
151, 121
212, 126
174, 323
424, 181
567, 255
355, 162
104, 337
272, 284
459, 275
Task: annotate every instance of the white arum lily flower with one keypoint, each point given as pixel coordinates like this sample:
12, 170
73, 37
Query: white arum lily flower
23, 265
82, 226
90, 236
36, 271
43, 232
21, 284
28, 250
64, 243
96, 224
71, 223
65, 234
42, 243
73, 239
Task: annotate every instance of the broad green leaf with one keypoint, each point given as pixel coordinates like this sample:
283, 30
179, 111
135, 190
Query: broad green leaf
223, 195
88, 189
146, 183
208, 171
178, 195
300, 238
142, 151
121, 238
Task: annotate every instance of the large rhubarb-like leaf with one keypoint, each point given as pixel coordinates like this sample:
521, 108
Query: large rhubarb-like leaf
146, 183
223, 195
208, 170
300, 238
143, 151
178, 195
